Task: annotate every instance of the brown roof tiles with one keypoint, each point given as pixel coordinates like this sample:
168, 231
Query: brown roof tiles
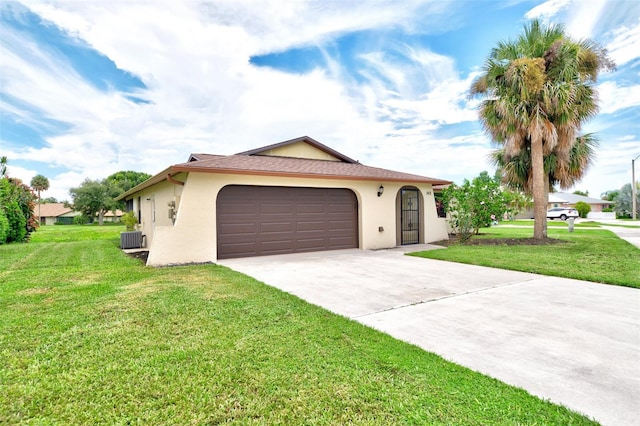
295, 167
253, 163
52, 209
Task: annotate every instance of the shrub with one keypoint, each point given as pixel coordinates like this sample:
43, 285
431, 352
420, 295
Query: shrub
129, 219
472, 205
18, 202
583, 209
4, 227
17, 223
80, 220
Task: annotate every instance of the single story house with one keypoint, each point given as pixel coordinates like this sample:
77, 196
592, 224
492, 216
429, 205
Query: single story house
111, 216
295, 196
52, 213
563, 199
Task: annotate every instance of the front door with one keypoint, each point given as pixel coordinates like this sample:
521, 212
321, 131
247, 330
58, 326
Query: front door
410, 216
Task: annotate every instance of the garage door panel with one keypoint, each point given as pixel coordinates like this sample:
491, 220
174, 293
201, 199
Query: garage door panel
311, 208
338, 223
274, 247
238, 228
239, 249
239, 210
276, 208
339, 208
310, 226
312, 243
254, 220
270, 227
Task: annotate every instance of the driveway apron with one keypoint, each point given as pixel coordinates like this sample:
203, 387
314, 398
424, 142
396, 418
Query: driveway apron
632, 235
573, 342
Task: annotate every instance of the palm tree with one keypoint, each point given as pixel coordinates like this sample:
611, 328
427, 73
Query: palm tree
516, 170
538, 90
39, 183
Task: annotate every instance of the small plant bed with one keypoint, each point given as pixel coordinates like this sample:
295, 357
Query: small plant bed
498, 241
586, 254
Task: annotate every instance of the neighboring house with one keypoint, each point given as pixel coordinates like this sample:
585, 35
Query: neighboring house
294, 196
563, 199
52, 213
111, 216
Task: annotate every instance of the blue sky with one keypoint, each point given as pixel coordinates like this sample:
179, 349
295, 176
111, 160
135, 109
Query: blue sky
91, 88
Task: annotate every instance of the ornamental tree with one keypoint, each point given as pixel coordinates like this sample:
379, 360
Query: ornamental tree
474, 204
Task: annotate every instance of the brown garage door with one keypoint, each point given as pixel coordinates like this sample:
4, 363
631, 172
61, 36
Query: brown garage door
265, 220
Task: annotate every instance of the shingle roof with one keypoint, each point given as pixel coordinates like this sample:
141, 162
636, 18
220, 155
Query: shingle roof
574, 198
252, 163
305, 139
295, 167
52, 209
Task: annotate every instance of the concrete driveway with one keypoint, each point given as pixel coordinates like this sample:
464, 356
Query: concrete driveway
632, 235
573, 342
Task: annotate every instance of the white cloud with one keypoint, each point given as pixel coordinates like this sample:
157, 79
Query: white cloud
25, 175
205, 96
417, 88
613, 160
547, 9
614, 97
625, 44
583, 17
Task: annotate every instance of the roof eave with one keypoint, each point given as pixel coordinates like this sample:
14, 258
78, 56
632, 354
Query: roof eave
176, 169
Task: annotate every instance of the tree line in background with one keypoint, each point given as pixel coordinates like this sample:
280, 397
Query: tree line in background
623, 202
97, 197
19, 213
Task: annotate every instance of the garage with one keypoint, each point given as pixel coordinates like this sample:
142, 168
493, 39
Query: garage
268, 220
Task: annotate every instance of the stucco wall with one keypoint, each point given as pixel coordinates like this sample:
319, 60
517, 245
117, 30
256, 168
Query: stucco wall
48, 220
300, 150
154, 211
193, 236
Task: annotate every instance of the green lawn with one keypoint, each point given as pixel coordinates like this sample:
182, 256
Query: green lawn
552, 223
563, 224
586, 254
90, 336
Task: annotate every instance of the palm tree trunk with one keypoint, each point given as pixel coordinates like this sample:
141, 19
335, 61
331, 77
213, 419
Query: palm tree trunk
547, 188
39, 208
538, 187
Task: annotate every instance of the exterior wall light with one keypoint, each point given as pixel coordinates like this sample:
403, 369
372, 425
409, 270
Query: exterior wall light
380, 190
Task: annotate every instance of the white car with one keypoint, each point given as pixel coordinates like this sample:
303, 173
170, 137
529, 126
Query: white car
562, 213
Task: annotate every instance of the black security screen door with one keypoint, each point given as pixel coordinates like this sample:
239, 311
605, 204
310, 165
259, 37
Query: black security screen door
410, 216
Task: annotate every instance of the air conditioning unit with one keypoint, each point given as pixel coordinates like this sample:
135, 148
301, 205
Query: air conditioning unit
131, 239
